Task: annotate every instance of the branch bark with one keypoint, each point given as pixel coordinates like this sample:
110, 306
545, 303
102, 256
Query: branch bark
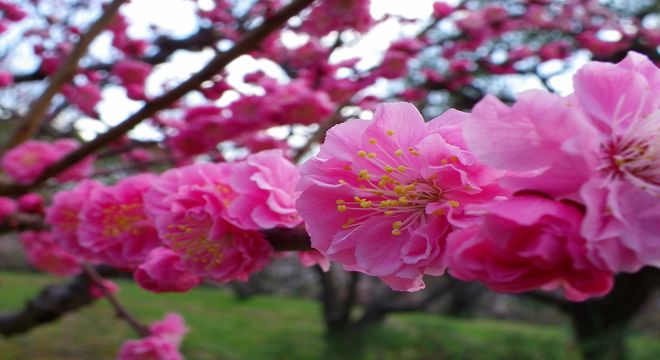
64, 74
50, 304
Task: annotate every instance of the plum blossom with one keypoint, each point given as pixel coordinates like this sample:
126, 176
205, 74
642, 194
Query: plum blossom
63, 217
265, 187
524, 243
31, 203
44, 254
27, 161
7, 207
163, 271
162, 344
114, 226
599, 146
382, 196
189, 208
333, 15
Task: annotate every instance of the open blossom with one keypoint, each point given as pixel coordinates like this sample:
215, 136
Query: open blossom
31, 203
163, 271
337, 15
84, 97
63, 217
162, 344
114, 226
524, 243
44, 254
27, 161
382, 195
599, 146
132, 74
189, 207
265, 187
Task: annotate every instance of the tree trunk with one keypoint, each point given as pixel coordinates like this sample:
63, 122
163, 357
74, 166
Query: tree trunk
601, 325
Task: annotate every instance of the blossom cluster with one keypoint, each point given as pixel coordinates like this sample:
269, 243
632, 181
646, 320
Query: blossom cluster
171, 230
548, 192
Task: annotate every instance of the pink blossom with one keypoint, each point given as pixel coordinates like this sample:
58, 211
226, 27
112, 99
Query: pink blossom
527, 243
113, 224
297, 103
131, 71
623, 210
381, 196
84, 97
45, 255
150, 347
339, 15
189, 207
313, 257
265, 186
172, 327
163, 271
559, 49
599, 146
441, 10
7, 207
6, 78
132, 74
31, 203
25, 162
63, 218
97, 292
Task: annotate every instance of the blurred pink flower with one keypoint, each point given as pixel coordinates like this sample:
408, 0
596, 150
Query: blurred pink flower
45, 255
63, 217
31, 203
7, 207
25, 162
163, 271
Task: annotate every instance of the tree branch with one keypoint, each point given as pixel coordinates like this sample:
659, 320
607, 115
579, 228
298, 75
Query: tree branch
50, 304
64, 74
248, 43
120, 310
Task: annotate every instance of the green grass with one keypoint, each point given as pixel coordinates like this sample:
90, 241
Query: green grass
276, 328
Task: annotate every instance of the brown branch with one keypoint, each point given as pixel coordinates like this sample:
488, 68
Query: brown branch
50, 304
120, 310
167, 46
282, 239
64, 74
248, 43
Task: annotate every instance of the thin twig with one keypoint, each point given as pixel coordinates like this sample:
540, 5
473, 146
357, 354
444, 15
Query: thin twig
121, 311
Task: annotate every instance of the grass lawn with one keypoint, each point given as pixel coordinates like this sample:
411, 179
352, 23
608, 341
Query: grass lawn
275, 328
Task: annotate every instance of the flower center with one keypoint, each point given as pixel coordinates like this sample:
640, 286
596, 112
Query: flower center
635, 155
396, 189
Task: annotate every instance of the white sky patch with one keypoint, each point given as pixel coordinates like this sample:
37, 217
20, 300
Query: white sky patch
176, 17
